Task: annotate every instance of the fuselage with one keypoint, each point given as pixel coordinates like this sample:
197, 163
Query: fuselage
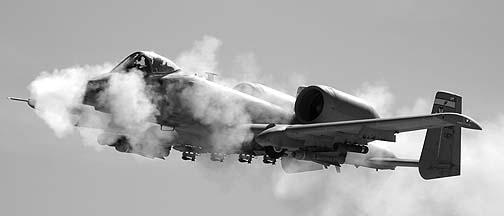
209, 117
200, 108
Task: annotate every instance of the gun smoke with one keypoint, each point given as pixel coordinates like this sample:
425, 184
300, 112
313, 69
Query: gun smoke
58, 93
132, 111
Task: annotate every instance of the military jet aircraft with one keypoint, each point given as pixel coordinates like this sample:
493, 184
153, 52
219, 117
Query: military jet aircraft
318, 128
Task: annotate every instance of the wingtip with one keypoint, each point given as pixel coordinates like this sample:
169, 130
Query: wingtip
478, 126
461, 120
470, 123
473, 123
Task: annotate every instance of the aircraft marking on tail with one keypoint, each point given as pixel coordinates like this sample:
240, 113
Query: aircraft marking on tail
443, 102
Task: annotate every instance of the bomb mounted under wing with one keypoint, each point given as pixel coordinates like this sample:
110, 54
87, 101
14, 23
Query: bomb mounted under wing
319, 128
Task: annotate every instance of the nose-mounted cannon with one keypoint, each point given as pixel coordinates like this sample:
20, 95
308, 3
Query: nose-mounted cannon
30, 102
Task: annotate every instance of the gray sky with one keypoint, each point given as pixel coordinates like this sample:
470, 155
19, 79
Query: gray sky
413, 47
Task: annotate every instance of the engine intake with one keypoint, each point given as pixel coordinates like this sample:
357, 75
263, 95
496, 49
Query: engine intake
317, 103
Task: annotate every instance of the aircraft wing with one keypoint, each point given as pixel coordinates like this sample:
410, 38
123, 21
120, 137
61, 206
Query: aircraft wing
371, 129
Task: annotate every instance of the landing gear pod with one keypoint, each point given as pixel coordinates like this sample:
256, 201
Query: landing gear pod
245, 158
269, 160
189, 155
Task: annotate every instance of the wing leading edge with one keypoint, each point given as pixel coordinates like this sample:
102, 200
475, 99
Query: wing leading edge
372, 129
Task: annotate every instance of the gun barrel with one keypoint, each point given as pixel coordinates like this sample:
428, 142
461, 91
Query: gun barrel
30, 102
18, 99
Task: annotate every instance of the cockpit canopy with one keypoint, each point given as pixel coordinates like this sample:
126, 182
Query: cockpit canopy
149, 63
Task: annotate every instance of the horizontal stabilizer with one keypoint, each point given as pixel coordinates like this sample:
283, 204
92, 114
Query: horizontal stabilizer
393, 162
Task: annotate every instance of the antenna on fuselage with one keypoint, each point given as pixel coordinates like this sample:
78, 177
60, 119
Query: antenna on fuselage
211, 76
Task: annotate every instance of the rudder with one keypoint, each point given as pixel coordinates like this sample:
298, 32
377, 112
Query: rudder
441, 150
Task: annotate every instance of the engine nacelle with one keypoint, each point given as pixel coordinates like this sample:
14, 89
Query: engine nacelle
266, 93
317, 103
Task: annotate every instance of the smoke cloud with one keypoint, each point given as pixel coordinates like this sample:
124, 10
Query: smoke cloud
58, 93
58, 97
377, 95
132, 114
247, 69
212, 104
201, 58
215, 104
128, 101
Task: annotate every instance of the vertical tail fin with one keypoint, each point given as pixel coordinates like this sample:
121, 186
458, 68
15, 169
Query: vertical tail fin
441, 150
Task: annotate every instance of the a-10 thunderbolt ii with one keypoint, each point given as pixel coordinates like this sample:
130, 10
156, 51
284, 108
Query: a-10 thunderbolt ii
318, 128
